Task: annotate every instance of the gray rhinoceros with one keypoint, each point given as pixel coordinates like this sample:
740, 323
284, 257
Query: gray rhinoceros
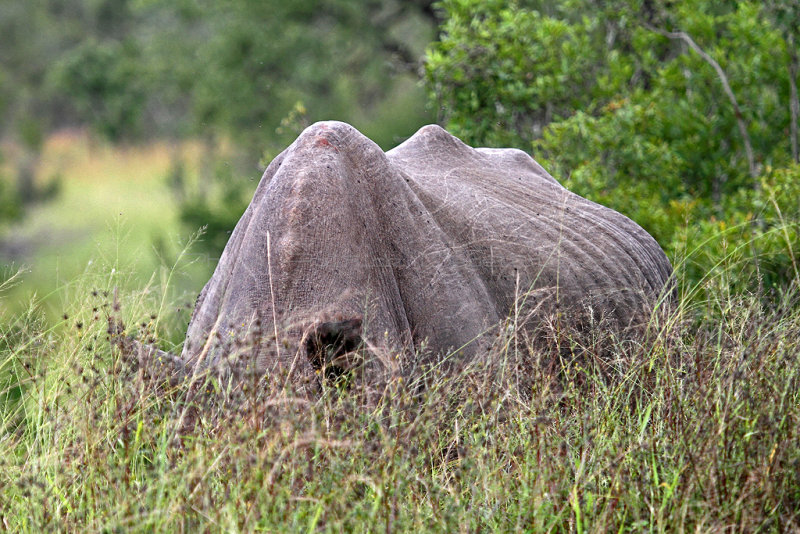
433, 243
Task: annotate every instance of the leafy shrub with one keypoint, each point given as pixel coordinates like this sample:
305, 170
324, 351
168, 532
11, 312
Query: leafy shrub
614, 102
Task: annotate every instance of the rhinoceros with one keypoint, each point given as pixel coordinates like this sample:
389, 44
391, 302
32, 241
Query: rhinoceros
430, 245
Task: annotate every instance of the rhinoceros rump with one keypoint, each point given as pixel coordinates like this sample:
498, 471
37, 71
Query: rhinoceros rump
433, 243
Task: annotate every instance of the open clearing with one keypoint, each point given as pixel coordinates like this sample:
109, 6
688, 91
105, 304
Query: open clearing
114, 205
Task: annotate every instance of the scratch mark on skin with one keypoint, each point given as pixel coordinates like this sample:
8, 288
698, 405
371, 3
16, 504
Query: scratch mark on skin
323, 142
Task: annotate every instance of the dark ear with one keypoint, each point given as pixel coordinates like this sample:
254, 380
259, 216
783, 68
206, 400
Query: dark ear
330, 345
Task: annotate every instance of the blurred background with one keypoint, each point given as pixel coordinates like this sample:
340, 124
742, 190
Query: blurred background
133, 132
130, 125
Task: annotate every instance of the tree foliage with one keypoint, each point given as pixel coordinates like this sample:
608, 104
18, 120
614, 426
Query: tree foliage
245, 74
259, 71
675, 113
254, 60
64, 63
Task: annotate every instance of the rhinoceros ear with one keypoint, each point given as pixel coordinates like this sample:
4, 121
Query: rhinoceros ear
331, 347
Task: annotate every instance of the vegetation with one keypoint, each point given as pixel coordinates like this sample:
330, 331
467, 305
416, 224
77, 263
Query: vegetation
243, 77
681, 115
693, 427
114, 209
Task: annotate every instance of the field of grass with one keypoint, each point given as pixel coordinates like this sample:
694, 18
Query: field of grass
113, 207
693, 427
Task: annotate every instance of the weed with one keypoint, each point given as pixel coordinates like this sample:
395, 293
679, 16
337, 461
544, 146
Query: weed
690, 426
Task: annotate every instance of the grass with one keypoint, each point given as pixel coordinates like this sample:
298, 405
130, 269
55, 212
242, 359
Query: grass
114, 209
693, 427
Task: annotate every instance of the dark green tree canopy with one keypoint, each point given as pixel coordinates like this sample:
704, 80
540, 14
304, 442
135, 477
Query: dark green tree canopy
666, 111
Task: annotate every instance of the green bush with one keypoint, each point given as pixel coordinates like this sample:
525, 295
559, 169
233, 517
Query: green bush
105, 81
621, 110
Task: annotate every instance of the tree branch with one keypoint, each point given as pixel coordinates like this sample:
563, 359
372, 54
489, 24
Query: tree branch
748, 147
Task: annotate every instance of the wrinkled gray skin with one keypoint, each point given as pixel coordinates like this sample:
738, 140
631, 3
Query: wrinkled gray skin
433, 241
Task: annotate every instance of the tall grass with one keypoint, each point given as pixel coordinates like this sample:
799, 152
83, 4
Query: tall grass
691, 427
